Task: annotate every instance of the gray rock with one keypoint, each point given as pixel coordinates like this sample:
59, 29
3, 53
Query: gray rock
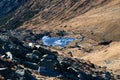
108, 62
47, 71
35, 56
31, 45
38, 53
20, 71
9, 55
37, 46
51, 56
30, 65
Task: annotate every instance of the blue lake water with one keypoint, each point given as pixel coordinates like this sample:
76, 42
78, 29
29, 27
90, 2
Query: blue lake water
56, 41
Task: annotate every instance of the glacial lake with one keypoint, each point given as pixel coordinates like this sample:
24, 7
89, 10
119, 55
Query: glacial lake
57, 41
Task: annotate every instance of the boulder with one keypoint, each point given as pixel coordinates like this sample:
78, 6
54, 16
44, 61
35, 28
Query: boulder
20, 72
30, 65
32, 57
9, 55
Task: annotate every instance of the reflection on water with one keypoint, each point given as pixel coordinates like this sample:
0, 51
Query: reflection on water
55, 41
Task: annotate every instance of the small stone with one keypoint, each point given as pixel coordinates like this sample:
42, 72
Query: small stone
32, 57
70, 53
20, 72
47, 71
79, 75
44, 56
30, 65
108, 62
31, 45
37, 53
37, 46
9, 55
103, 75
93, 75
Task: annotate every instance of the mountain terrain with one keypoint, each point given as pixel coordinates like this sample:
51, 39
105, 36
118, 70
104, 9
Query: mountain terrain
89, 15
95, 22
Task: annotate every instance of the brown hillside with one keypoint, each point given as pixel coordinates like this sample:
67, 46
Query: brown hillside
101, 16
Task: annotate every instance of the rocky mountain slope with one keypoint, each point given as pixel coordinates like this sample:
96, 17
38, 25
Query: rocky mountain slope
7, 9
31, 62
93, 23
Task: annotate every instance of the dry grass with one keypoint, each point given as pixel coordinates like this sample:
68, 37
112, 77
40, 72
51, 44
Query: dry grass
103, 20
